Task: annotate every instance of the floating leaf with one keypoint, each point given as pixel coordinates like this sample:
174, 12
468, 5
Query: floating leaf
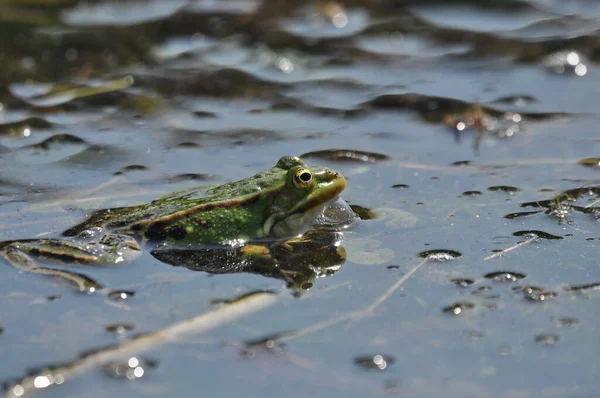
396, 218
365, 251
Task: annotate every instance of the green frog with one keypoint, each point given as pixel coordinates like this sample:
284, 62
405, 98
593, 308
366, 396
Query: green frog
279, 203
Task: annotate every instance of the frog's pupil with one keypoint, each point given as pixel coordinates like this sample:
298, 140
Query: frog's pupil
305, 177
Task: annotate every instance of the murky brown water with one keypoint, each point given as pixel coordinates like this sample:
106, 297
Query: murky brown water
467, 131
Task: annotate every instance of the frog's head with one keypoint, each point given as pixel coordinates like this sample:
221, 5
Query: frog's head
305, 192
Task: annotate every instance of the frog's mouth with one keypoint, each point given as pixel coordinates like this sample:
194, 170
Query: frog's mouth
301, 217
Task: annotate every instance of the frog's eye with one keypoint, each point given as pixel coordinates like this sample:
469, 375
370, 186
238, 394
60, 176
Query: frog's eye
303, 178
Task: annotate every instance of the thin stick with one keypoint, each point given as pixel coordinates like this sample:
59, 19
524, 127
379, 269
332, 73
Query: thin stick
200, 323
503, 251
392, 289
354, 314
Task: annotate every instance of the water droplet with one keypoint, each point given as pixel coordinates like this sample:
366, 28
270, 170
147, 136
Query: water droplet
546, 339
536, 234
462, 282
440, 254
377, 362
458, 308
505, 276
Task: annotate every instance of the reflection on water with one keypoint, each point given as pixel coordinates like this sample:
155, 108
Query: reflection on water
467, 131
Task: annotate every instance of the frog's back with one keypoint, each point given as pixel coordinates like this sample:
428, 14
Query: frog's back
124, 219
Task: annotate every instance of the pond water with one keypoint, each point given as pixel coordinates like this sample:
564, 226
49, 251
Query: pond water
467, 131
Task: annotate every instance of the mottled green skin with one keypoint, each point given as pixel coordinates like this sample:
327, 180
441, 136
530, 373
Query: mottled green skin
270, 203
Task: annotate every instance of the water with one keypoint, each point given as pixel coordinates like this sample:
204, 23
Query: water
457, 124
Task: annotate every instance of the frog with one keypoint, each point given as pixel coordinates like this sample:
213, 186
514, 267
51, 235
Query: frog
278, 203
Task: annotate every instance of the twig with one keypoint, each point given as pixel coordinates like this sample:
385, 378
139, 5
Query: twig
201, 323
503, 251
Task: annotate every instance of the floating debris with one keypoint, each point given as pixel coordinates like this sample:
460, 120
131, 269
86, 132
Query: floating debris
364, 213
462, 163
132, 369
560, 205
584, 287
547, 339
400, 186
270, 344
535, 293
472, 193
376, 362
119, 328
440, 254
505, 276
537, 234
121, 294
462, 282
520, 214
566, 322
346, 155
590, 162
504, 188
458, 308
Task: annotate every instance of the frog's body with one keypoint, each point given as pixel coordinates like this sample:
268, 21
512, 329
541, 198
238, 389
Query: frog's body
280, 202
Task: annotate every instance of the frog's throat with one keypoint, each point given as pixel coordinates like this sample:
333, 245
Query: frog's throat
300, 218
